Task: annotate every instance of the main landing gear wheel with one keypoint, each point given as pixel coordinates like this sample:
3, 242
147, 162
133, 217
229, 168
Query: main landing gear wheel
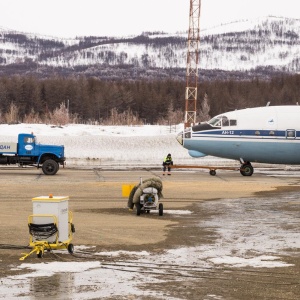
40, 254
212, 172
246, 170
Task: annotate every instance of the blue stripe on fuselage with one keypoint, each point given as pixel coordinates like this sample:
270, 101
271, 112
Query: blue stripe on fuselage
244, 133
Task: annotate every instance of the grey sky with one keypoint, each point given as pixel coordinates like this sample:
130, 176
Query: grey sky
69, 18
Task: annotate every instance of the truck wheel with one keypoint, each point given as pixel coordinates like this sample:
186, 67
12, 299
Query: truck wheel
50, 167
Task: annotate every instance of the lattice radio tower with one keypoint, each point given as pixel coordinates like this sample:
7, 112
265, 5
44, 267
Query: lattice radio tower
192, 64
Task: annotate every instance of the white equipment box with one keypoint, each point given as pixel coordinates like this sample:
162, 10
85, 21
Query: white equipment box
45, 206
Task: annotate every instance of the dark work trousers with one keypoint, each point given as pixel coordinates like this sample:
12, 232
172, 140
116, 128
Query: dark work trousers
167, 166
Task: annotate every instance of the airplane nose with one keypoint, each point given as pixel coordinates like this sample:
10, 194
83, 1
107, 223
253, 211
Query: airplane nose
186, 134
179, 138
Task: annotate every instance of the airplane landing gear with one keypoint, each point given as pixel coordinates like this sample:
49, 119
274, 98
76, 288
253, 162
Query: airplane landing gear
246, 169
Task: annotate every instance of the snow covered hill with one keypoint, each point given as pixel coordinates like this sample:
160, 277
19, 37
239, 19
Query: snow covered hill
263, 43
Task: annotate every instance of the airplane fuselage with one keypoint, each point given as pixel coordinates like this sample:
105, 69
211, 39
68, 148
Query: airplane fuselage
268, 134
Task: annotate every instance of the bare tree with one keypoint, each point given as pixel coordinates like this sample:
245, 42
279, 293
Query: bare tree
125, 118
12, 116
60, 116
203, 114
32, 118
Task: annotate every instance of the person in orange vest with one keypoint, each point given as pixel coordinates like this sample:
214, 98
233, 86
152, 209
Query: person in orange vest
167, 163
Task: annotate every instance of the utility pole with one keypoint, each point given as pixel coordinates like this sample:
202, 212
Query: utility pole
192, 64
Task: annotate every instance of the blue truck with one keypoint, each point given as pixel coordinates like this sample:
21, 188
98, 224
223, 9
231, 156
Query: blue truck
27, 152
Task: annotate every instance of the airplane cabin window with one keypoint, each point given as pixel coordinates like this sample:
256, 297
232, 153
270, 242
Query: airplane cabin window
291, 133
232, 122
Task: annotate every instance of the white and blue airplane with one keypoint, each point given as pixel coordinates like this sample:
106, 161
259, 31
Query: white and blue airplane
269, 134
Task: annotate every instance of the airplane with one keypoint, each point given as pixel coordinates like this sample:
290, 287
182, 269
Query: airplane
268, 134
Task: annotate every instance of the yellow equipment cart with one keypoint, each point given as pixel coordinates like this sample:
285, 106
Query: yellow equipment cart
50, 226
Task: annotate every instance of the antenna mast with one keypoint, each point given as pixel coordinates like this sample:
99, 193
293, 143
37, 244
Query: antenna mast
192, 63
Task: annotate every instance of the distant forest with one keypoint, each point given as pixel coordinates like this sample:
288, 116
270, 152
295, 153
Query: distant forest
93, 100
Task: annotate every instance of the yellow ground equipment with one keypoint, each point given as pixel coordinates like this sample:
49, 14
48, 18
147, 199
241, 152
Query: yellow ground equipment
126, 189
50, 226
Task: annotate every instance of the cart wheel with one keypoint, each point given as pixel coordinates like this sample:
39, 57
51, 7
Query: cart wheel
160, 209
212, 172
138, 209
71, 248
40, 254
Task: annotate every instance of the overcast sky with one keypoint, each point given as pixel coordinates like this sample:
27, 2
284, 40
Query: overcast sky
70, 18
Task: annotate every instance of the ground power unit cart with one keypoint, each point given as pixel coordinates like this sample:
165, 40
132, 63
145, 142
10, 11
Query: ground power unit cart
50, 226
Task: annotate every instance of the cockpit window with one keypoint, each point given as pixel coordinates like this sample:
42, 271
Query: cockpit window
216, 121
221, 121
225, 121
